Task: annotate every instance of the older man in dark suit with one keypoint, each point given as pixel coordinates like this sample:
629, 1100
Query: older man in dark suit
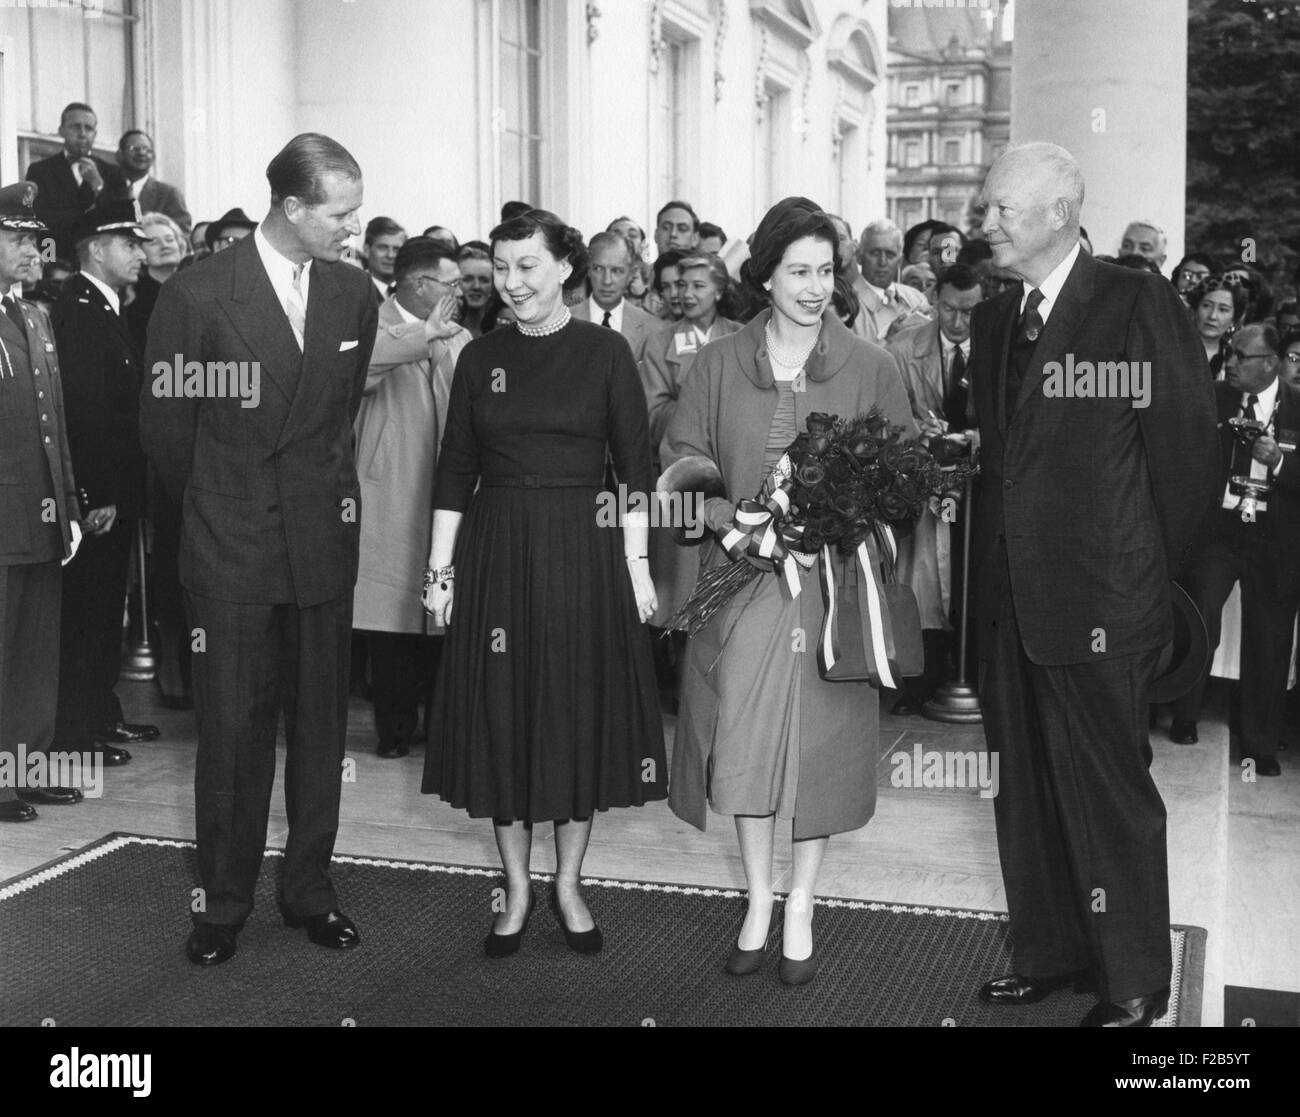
274, 337
38, 511
135, 157
74, 179
1098, 455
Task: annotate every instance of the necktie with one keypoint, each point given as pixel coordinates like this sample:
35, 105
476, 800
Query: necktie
605, 321
1252, 402
15, 315
296, 307
1028, 328
954, 399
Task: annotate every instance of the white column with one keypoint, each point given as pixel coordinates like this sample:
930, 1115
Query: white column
1107, 79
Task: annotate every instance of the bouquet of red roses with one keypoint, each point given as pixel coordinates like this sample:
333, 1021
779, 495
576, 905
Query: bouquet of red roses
842, 490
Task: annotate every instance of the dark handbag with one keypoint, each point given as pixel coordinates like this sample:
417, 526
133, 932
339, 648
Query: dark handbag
872, 630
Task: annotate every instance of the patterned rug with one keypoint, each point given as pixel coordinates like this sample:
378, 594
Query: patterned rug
96, 938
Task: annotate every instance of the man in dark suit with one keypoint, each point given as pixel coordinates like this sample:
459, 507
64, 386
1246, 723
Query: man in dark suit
1098, 457
1261, 552
609, 270
135, 158
38, 510
262, 459
74, 179
101, 383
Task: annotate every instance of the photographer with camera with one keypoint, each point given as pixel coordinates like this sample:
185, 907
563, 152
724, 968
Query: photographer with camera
1252, 535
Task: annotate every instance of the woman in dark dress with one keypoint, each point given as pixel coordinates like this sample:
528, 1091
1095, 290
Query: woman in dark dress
546, 707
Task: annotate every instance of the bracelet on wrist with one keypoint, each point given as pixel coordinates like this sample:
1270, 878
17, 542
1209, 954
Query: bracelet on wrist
444, 576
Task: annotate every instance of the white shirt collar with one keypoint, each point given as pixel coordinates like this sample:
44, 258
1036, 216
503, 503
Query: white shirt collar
1051, 286
949, 346
279, 269
137, 187
113, 300
380, 285
1267, 400
597, 313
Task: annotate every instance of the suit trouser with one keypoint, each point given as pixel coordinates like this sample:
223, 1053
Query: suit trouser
29, 659
257, 660
1081, 825
403, 666
90, 654
1268, 605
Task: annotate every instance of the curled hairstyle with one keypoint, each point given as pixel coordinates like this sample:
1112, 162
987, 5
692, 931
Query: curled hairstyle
1240, 298
789, 220
562, 241
299, 167
718, 274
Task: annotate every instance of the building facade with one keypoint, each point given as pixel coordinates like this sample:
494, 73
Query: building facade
949, 109
455, 106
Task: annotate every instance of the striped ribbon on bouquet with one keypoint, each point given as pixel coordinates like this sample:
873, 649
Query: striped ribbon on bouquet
877, 631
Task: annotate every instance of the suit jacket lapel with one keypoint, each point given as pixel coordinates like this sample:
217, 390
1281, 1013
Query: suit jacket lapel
320, 343
254, 310
1067, 316
1004, 329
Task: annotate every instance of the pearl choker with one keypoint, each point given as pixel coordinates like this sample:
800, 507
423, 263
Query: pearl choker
542, 331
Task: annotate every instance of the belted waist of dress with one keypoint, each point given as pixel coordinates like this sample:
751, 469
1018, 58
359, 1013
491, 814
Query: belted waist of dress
536, 481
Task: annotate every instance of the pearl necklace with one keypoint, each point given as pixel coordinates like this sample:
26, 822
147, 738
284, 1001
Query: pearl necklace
784, 358
542, 331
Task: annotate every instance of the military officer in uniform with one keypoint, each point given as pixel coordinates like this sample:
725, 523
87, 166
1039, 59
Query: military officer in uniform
101, 381
38, 507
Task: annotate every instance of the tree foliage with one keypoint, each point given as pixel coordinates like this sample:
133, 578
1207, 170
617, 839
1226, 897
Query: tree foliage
1243, 130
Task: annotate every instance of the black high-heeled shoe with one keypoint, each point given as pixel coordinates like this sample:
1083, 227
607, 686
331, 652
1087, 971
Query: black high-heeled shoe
582, 942
501, 946
740, 963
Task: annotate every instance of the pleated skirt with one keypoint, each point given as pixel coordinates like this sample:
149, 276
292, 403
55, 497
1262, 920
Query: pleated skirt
546, 706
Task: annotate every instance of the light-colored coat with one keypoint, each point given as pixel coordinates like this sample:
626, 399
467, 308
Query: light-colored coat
876, 317
725, 414
399, 428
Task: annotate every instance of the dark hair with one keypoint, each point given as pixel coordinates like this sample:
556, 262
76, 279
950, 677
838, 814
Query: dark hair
959, 276
77, 106
678, 204
1202, 258
442, 233
942, 229
709, 229
298, 168
914, 234
511, 210
975, 252
491, 312
420, 252
669, 259
1291, 339
562, 241
1137, 263
381, 227
791, 219
1268, 334
1215, 283
845, 299
474, 250
132, 132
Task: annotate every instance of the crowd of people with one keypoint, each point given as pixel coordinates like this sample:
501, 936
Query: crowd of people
433, 424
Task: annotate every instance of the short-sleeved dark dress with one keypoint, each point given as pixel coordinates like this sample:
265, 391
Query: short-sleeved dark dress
546, 705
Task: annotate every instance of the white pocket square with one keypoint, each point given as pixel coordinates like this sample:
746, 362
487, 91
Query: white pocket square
344, 346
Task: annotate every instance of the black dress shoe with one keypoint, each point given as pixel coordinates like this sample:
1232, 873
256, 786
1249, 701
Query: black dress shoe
15, 810
391, 750
210, 944
1017, 989
331, 928
50, 796
501, 946
582, 942
800, 972
1266, 766
1137, 1012
124, 733
114, 757
1183, 732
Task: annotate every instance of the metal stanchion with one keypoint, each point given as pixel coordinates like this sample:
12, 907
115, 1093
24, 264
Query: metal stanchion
957, 702
139, 664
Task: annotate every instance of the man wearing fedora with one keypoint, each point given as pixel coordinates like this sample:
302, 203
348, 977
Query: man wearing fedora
38, 508
101, 384
1087, 505
270, 533
228, 229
